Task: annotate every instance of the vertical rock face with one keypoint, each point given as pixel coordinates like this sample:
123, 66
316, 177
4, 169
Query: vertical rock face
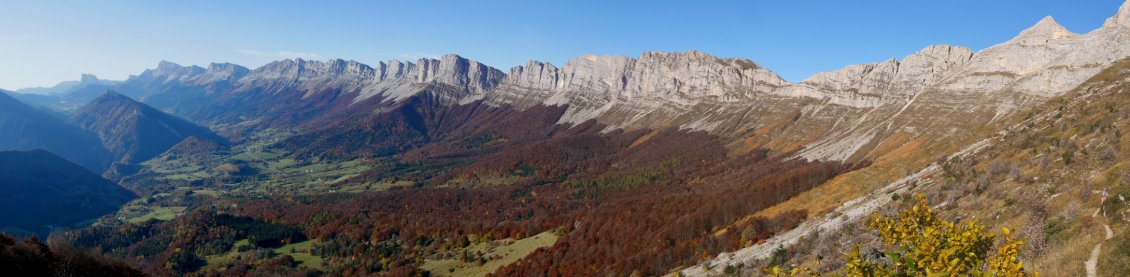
871, 79
396, 70
218, 72
451, 70
167, 71
352, 69
694, 77
396, 79
672, 76
457, 71
534, 74
310, 74
893, 80
88, 78
930, 65
599, 76
695, 74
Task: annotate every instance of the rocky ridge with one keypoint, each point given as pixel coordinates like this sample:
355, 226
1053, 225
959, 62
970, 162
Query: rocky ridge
844, 114
686, 75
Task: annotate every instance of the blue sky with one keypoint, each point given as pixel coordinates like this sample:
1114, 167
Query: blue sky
44, 42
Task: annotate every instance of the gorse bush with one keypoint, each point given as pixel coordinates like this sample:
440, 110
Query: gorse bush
919, 243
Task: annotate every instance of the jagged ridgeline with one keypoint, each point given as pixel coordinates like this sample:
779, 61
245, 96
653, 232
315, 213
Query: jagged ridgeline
606, 165
860, 112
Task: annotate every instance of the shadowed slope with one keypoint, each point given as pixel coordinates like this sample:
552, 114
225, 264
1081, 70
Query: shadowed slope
40, 190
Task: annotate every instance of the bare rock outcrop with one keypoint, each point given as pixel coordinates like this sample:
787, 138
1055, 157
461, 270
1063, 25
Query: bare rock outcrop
892, 80
657, 75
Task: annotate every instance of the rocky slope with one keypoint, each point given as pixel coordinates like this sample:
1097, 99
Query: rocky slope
1041, 176
1034, 141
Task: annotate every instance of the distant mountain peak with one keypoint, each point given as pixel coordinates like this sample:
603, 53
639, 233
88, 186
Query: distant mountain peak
1120, 19
65, 87
88, 78
449, 57
164, 64
167, 68
225, 66
223, 72
1047, 28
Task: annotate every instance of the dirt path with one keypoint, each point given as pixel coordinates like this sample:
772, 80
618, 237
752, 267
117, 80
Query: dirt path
1092, 264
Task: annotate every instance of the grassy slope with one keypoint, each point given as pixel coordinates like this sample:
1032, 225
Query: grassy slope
218, 261
1022, 181
1041, 179
159, 213
894, 164
301, 254
508, 252
276, 172
299, 251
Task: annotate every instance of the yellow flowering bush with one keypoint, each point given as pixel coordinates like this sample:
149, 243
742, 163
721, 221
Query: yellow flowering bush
921, 244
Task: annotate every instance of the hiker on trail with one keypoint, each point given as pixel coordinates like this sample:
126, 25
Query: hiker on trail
1103, 195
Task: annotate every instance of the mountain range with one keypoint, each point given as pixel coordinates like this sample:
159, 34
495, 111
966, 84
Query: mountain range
65, 96
636, 165
854, 113
108, 130
68, 87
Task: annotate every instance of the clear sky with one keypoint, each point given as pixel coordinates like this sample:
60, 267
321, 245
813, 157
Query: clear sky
44, 42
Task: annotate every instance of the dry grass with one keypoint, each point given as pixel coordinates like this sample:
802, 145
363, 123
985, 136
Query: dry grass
1023, 181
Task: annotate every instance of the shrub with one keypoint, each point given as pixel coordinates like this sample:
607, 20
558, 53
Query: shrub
925, 245
922, 244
